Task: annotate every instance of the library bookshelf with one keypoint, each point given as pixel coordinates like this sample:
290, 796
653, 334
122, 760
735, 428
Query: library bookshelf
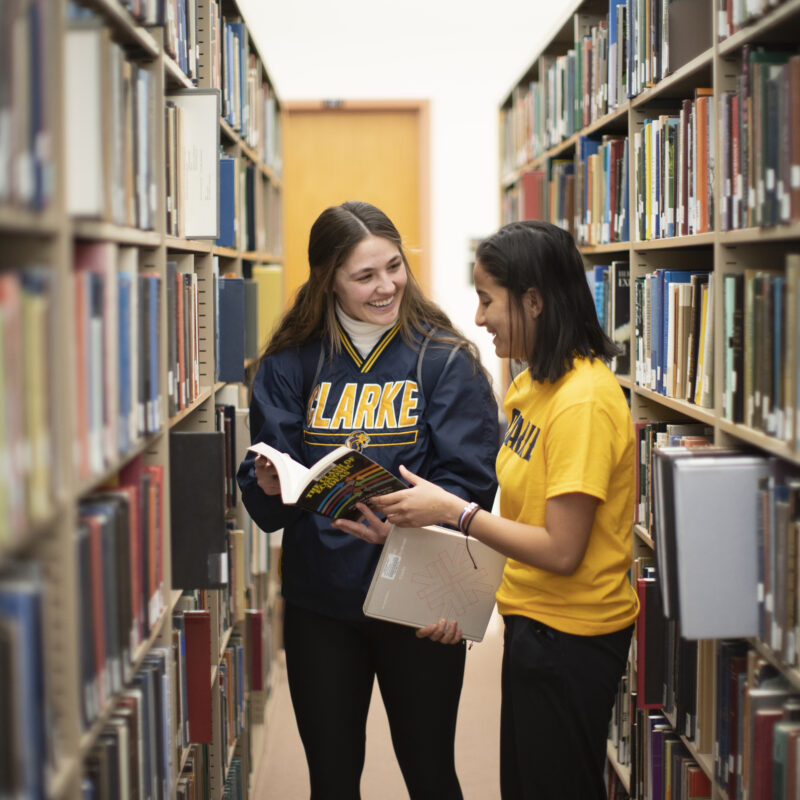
140, 223
664, 136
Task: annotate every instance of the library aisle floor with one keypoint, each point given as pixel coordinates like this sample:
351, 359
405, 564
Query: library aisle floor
282, 774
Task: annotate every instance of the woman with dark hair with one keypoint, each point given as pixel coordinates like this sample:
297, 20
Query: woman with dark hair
566, 475
363, 358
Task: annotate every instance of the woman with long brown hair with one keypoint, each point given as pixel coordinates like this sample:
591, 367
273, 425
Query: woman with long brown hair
363, 358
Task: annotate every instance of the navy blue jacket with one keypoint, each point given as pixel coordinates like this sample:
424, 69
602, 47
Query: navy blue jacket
445, 431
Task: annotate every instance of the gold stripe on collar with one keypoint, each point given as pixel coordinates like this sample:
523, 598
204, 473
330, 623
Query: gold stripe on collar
364, 365
382, 344
349, 346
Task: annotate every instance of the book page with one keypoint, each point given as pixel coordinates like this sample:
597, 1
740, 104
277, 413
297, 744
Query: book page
292, 474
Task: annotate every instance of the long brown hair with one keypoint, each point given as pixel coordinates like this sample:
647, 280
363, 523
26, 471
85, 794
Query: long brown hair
333, 237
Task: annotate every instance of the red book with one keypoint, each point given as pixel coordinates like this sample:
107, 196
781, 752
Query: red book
761, 780
134, 545
533, 206
699, 784
156, 540
198, 675
737, 666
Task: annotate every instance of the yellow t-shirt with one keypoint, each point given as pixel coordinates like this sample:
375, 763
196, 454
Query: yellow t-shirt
574, 435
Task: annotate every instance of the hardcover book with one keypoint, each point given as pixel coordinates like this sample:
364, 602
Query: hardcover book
333, 485
427, 574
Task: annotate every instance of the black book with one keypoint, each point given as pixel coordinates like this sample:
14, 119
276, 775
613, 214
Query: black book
197, 484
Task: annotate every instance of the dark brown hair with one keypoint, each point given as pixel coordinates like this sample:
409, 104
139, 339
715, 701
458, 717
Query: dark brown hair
333, 237
539, 255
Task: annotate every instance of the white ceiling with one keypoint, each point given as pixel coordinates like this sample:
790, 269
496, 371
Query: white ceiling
374, 49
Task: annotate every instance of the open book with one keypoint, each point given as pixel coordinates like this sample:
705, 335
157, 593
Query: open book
426, 574
333, 485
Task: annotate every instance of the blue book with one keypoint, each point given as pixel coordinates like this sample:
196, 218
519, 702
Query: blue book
152, 400
228, 74
124, 282
613, 47
239, 39
599, 295
586, 147
656, 331
21, 608
230, 367
227, 202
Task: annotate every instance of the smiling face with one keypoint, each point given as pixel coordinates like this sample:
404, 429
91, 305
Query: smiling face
513, 330
370, 283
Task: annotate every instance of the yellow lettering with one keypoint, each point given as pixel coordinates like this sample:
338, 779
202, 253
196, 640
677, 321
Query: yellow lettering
386, 416
367, 406
408, 404
343, 416
321, 394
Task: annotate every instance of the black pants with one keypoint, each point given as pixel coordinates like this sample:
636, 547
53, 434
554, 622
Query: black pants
558, 693
331, 666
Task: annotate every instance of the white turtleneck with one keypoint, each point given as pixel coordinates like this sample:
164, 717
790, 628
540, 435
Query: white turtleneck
364, 335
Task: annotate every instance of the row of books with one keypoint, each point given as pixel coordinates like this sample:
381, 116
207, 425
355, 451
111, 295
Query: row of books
673, 157
586, 195
119, 388
760, 126
26, 58
610, 287
756, 711
673, 334
613, 57
758, 724
666, 767
753, 590
778, 527
26, 438
185, 294
736, 14
132, 755
249, 103
760, 318
181, 35
601, 190
110, 110
250, 211
651, 435
119, 544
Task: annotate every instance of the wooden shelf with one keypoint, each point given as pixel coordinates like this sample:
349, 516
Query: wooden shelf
674, 242
109, 232
125, 27
684, 407
623, 771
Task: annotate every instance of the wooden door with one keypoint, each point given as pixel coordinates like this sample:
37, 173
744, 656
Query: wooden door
377, 152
